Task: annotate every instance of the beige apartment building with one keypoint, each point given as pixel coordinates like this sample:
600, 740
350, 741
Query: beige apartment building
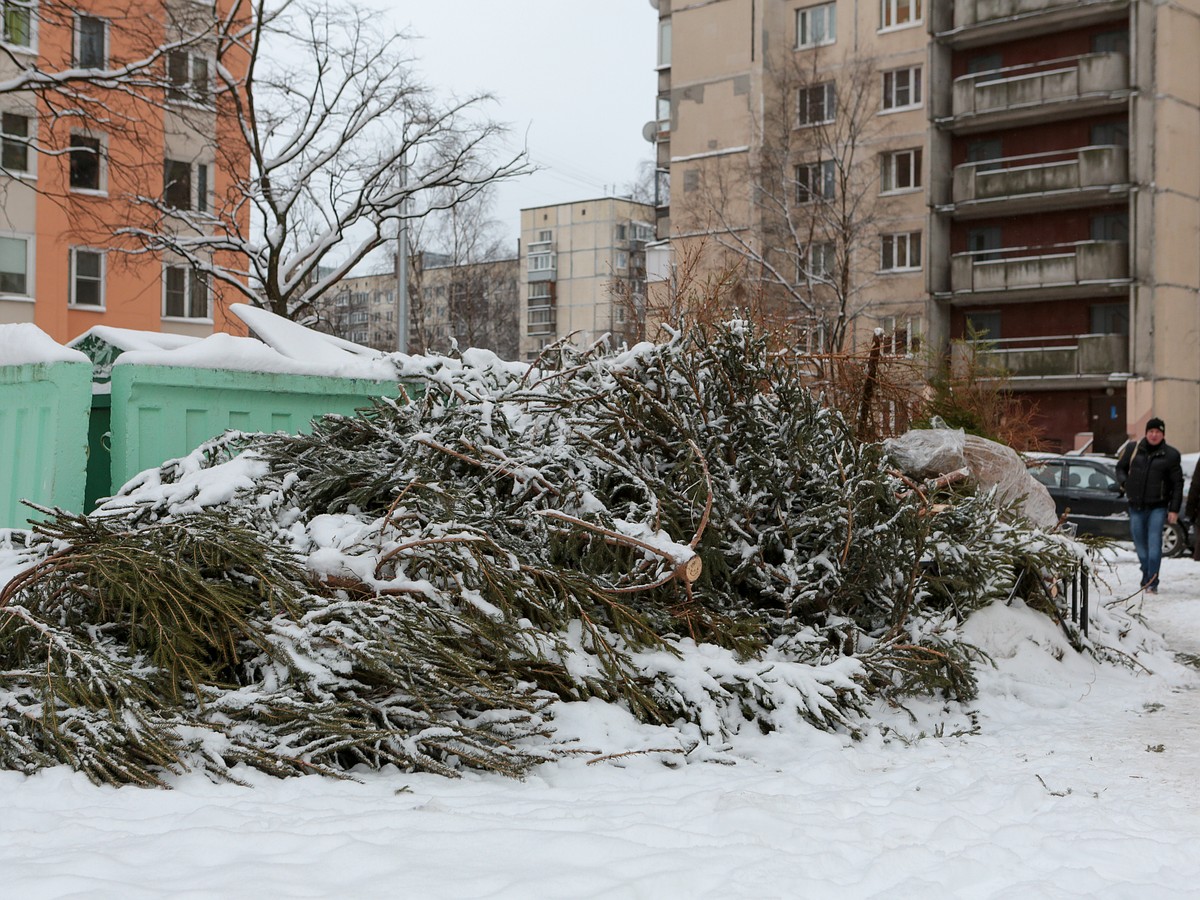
583, 271
1024, 169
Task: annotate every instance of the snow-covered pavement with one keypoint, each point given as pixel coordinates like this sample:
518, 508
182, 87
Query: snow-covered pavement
1082, 782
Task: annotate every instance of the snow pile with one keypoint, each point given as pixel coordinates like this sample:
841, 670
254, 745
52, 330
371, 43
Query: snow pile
25, 344
680, 530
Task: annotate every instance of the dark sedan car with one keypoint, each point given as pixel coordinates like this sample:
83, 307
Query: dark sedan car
1086, 487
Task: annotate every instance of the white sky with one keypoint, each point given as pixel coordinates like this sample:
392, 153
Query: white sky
574, 79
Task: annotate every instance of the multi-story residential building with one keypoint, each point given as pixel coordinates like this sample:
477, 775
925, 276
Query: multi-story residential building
1067, 209
1034, 183
78, 167
583, 271
794, 138
468, 305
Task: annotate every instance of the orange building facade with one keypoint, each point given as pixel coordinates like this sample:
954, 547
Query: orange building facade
88, 170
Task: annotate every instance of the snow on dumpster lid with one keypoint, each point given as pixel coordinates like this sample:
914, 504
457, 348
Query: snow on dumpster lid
24, 344
132, 339
296, 341
241, 354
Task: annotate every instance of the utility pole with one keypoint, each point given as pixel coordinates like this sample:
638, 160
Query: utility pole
402, 267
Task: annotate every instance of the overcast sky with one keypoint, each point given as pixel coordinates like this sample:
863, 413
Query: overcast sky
574, 79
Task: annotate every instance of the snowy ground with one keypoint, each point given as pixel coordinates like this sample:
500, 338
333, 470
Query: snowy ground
1081, 783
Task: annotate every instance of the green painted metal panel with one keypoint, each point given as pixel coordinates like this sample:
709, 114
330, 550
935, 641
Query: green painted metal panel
43, 438
163, 412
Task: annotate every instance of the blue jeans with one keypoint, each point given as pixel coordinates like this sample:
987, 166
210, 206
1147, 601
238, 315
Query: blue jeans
1146, 527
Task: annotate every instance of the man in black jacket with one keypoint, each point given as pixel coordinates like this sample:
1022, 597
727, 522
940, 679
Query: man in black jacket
1152, 477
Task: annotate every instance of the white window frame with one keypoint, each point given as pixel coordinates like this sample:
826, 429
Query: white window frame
890, 10
904, 258
30, 170
892, 93
664, 43
910, 161
541, 262
821, 19
102, 162
199, 195
189, 281
816, 263
829, 104
30, 263
184, 93
77, 40
73, 301
822, 175
31, 7
911, 327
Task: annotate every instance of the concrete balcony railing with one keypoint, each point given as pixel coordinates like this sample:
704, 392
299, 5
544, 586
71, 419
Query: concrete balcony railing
1052, 356
968, 13
1024, 88
1060, 267
1100, 168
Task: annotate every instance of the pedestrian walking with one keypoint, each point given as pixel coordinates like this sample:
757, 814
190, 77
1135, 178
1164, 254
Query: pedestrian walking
1151, 476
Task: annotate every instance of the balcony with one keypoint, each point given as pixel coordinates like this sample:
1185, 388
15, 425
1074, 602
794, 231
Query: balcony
1073, 358
542, 321
1087, 176
1082, 268
978, 22
1069, 87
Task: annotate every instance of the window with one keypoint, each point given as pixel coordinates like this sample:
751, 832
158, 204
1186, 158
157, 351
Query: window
539, 293
983, 326
90, 42
902, 88
18, 22
817, 262
545, 237
901, 337
15, 266
87, 278
187, 77
1109, 318
541, 262
85, 163
14, 142
1111, 41
815, 181
177, 184
901, 252
817, 104
816, 25
984, 150
664, 42
900, 171
984, 241
178, 178
1110, 227
898, 13
185, 293
622, 260
984, 62
1110, 134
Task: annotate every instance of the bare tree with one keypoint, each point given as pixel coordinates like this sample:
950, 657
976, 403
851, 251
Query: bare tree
339, 141
463, 279
802, 212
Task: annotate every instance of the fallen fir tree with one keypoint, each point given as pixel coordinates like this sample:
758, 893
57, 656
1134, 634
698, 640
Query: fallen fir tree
681, 529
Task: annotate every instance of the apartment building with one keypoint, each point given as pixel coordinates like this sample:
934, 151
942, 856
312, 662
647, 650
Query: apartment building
583, 271
464, 305
140, 154
794, 140
1035, 183
1066, 213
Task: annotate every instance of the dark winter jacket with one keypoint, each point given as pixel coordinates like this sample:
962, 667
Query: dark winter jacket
1192, 507
1151, 476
